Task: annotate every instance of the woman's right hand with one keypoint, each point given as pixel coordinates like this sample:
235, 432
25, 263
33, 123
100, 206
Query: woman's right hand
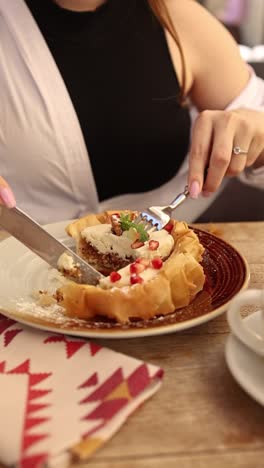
7, 197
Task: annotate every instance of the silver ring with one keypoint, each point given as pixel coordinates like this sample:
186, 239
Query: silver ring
237, 151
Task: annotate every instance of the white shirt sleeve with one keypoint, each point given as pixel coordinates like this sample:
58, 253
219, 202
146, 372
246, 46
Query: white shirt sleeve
252, 97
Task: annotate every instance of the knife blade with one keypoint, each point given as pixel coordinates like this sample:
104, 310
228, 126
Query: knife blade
43, 244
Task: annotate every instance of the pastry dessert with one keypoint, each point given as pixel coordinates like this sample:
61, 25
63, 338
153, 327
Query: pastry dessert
145, 274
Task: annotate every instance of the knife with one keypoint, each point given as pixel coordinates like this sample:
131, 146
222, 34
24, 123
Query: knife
37, 239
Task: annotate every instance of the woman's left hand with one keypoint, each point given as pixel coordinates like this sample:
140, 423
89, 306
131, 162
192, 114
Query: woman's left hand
215, 135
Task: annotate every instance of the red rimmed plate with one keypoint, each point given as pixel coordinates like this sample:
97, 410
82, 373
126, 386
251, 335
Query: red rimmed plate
21, 272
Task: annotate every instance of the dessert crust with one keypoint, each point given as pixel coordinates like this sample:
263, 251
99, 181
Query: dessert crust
173, 287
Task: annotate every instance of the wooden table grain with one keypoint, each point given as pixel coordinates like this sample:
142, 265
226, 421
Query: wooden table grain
200, 417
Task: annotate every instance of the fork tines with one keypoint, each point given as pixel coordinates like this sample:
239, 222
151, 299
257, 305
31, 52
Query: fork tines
149, 222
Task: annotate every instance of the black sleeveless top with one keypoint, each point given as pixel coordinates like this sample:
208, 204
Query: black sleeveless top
117, 69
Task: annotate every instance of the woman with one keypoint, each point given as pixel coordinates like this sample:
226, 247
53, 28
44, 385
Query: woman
111, 79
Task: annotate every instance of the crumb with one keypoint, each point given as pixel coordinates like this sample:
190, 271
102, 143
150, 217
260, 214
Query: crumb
58, 297
43, 298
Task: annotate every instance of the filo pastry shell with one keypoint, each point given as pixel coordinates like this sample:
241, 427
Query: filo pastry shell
174, 286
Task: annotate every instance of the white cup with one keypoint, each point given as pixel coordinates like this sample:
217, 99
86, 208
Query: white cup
251, 337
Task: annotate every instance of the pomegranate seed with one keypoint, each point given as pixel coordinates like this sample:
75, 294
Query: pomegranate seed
136, 279
168, 227
137, 267
144, 261
114, 276
153, 245
137, 244
157, 263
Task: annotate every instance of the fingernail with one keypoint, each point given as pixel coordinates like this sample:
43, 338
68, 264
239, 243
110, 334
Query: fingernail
7, 197
207, 194
194, 189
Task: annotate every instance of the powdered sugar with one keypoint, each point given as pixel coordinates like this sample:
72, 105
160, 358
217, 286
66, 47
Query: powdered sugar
52, 313
42, 306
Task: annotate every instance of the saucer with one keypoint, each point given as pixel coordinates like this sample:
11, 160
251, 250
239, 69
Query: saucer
245, 365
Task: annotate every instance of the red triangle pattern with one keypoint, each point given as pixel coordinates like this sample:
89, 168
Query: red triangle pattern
159, 374
36, 378
90, 382
35, 461
54, 339
94, 348
28, 440
32, 439
138, 380
106, 388
93, 430
32, 407
72, 347
107, 409
10, 335
21, 369
5, 323
37, 394
31, 422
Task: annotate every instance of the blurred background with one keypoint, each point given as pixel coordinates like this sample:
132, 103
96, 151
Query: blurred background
244, 18
245, 21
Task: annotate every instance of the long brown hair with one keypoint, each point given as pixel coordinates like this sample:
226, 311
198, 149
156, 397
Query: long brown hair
161, 12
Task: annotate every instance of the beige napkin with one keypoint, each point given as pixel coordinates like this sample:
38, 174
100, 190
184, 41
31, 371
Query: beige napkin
63, 397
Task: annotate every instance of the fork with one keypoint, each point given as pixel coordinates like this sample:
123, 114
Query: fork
156, 217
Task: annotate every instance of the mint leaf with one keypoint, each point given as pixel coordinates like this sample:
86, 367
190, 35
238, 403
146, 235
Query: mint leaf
126, 223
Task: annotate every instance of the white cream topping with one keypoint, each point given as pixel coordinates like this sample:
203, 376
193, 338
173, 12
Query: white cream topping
125, 273
102, 238
66, 263
166, 243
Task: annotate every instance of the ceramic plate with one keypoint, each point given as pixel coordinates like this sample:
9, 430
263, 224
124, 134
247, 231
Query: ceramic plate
22, 273
245, 365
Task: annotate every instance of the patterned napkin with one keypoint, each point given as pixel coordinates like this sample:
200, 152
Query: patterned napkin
63, 397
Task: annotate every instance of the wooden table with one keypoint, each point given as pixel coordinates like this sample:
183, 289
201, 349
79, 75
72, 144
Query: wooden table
200, 417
